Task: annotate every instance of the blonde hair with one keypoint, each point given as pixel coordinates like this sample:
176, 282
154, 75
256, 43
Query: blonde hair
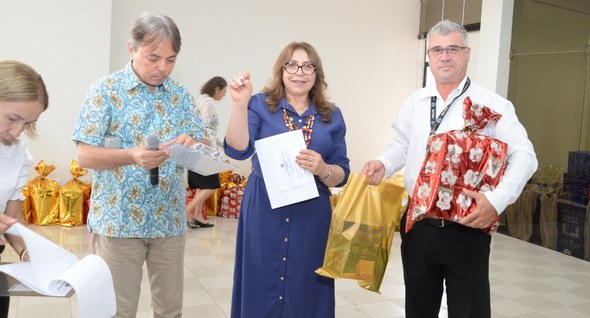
21, 83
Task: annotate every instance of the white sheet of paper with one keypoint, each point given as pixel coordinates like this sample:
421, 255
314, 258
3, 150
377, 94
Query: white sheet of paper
54, 271
286, 182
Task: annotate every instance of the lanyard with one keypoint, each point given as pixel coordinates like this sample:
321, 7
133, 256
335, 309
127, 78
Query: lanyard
434, 121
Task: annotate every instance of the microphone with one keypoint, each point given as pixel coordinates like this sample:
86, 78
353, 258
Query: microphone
153, 143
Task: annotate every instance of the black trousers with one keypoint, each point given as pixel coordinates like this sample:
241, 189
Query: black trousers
4, 300
454, 255
4, 306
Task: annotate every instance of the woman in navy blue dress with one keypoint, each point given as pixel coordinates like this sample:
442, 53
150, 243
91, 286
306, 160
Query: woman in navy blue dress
278, 250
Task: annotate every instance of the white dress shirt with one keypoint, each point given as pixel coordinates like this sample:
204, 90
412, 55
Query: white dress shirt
412, 127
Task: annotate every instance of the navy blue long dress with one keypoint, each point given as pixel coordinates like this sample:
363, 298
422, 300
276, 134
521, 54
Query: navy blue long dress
278, 251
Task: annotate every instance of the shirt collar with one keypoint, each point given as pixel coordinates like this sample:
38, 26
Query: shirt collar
134, 82
9, 151
430, 89
284, 104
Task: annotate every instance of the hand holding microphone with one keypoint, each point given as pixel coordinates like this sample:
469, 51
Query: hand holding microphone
153, 143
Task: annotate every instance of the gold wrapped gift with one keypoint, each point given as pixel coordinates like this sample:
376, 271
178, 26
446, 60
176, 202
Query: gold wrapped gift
73, 196
213, 202
43, 196
361, 231
26, 205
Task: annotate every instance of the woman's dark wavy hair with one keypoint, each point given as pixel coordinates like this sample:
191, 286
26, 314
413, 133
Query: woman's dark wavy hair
216, 82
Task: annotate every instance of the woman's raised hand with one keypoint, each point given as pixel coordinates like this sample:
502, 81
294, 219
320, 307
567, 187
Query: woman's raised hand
240, 88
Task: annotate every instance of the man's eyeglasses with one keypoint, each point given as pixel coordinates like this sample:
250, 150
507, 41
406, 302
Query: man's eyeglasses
452, 50
292, 67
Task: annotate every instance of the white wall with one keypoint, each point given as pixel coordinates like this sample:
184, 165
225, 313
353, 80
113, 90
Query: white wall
495, 50
66, 41
370, 51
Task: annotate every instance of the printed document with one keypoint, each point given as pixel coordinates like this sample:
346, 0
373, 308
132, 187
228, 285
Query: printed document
286, 182
53, 271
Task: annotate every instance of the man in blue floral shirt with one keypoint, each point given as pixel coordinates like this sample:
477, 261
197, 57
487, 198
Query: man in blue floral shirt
131, 220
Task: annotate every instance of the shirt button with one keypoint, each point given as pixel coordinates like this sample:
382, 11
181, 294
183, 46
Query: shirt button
280, 297
282, 277
286, 219
284, 259
286, 240
300, 120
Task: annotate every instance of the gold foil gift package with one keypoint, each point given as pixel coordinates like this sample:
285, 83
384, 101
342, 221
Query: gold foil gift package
41, 205
73, 198
361, 231
48, 203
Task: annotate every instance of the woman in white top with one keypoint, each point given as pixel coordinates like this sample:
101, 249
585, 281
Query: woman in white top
213, 90
23, 97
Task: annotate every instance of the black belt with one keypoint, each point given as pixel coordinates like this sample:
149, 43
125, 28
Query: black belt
439, 222
442, 223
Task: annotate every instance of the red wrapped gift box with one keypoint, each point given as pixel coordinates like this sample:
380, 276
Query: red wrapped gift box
231, 200
457, 160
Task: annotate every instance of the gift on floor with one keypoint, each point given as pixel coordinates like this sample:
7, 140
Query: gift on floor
213, 203
231, 200
43, 197
73, 197
457, 160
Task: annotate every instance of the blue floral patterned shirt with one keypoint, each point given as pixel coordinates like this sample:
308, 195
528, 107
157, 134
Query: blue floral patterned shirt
123, 202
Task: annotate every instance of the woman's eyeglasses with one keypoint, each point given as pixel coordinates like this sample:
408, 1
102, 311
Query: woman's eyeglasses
292, 67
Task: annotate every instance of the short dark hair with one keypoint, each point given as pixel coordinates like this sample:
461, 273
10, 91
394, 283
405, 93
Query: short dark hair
212, 84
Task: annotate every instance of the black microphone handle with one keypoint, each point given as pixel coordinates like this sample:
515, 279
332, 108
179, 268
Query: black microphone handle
154, 176
153, 143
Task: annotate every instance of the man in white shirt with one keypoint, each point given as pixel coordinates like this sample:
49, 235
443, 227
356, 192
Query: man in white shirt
436, 252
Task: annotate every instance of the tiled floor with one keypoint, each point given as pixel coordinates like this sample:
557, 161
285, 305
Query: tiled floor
527, 280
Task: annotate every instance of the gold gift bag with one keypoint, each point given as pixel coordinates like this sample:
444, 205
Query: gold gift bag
72, 197
361, 231
44, 196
